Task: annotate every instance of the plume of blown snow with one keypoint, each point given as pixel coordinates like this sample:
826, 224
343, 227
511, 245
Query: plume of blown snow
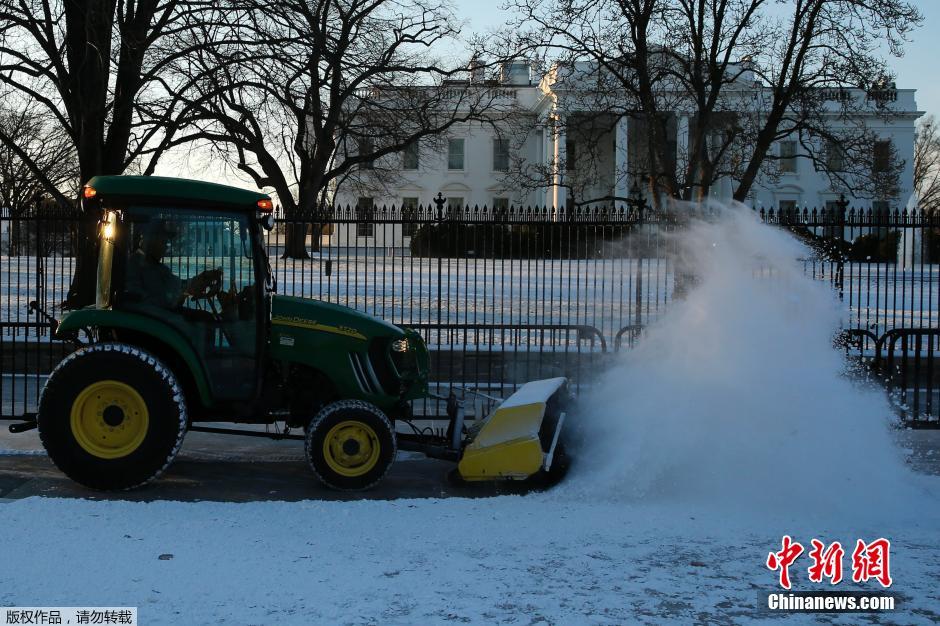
737, 397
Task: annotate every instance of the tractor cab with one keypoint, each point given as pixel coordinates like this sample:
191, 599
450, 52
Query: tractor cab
186, 257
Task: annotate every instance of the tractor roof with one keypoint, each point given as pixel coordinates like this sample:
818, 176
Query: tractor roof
159, 188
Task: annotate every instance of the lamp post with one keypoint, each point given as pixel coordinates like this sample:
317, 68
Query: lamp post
636, 200
439, 201
636, 205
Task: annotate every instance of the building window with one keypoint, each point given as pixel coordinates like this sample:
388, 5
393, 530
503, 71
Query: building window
787, 205
500, 154
364, 214
835, 157
881, 153
409, 160
571, 154
788, 157
366, 148
500, 205
455, 154
409, 216
455, 206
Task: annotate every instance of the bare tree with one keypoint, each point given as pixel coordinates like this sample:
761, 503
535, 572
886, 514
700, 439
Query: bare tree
927, 163
743, 74
821, 48
89, 65
20, 189
593, 55
645, 60
306, 96
45, 146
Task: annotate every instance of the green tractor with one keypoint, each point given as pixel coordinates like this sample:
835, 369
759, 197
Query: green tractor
187, 330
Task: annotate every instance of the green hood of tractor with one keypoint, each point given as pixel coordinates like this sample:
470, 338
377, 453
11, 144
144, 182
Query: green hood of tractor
311, 314
354, 351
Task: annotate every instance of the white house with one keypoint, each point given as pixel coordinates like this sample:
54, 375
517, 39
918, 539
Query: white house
478, 164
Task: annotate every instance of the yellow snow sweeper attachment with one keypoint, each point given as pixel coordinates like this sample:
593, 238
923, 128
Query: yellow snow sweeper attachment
520, 439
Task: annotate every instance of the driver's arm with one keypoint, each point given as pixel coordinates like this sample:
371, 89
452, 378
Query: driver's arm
195, 285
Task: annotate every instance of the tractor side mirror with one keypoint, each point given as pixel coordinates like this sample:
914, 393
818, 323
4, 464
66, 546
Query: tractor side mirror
267, 222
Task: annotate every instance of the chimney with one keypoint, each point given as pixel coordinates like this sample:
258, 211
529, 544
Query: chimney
477, 70
515, 73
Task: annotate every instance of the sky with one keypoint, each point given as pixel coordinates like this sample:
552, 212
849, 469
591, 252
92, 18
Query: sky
919, 68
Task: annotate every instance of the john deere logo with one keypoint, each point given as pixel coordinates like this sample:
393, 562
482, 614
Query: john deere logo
299, 322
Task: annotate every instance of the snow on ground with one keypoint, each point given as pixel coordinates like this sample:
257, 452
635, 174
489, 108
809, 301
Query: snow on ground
728, 427
523, 560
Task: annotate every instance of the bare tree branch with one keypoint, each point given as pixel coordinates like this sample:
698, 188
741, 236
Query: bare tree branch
305, 96
927, 163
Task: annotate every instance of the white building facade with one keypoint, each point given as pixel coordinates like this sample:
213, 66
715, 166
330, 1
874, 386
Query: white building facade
479, 164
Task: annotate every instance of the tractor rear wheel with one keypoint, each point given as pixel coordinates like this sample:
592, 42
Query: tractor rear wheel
112, 416
350, 445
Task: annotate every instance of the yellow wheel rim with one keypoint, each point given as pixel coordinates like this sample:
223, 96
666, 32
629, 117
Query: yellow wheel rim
109, 419
351, 448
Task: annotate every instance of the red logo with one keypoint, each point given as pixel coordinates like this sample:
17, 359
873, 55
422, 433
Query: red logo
827, 562
872, 560
869, 561
783, 559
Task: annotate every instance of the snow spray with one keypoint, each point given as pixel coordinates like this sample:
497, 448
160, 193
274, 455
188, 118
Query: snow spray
737, 395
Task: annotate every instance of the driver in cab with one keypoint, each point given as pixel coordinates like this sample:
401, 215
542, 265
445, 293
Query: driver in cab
148, 277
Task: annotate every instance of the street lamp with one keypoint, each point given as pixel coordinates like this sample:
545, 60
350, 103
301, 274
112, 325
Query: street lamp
635, 200
439, 201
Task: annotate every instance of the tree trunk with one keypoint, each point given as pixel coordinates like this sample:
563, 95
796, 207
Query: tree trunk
316, 231
295, 240
765, 139
88, 45
295, 229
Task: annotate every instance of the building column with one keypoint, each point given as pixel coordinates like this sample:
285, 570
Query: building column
621, 159
559, 193
682, 143
548, 149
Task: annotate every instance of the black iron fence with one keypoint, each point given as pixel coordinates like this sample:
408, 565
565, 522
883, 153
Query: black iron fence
504, 296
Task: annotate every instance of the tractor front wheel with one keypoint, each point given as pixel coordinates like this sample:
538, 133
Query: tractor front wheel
112, 416
350, 445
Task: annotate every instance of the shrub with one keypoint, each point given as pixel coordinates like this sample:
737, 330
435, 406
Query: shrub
558, 240
876, 247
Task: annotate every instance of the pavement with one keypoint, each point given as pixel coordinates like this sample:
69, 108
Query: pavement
230, 468
922, 447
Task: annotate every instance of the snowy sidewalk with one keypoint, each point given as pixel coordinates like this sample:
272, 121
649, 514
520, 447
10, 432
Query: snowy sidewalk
536, 559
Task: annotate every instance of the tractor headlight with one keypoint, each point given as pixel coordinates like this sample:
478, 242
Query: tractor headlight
107, 224
400, 345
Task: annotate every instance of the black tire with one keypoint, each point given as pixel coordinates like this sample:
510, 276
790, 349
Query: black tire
360, 475
160, 437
